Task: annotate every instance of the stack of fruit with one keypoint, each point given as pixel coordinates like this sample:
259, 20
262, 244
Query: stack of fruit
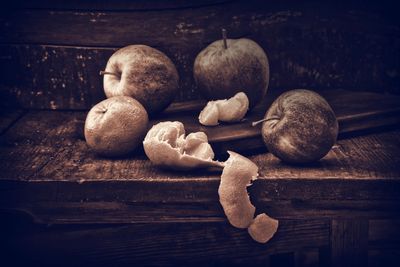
139, 82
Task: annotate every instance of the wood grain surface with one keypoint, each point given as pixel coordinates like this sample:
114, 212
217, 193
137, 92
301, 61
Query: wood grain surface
349, 243
53, 55
171, 244
355, 111
54, 144
45, 160
59, 202
9, 117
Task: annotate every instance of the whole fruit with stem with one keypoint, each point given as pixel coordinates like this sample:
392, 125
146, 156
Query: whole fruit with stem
299, 127
144, 73
230, 66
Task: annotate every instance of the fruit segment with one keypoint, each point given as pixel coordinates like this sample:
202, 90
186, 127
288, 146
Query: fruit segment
227, 110
166, 145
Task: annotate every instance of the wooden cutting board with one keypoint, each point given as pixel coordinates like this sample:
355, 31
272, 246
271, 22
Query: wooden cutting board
356, 111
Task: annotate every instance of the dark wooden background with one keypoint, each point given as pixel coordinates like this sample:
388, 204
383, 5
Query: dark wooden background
51, 51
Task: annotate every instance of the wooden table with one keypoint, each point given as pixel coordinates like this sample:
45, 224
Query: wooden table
61, 204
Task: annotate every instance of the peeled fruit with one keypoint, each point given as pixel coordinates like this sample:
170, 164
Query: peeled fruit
167, 146
115, 126
228, 66
300, 127
143, 73
227, 110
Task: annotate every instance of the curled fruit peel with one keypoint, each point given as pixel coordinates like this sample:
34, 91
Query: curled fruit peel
237, 175
227, 110
263, 228
166, 145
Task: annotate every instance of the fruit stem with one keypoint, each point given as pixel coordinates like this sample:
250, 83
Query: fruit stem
260, 121
224, 38
102, 72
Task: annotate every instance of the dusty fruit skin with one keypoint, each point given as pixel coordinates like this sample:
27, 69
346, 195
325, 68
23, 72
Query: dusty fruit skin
143, 73
222, 72
116, 126
300, 127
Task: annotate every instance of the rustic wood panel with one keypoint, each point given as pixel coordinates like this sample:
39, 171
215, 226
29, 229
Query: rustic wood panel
52, 77
142, 5
384, 234
35, 142
51, 141
283, 259
307, 258
313, 45
8, 117
383, 243
188, 201
174, 244
197, 26
201, 190
49, 174
387, 258
349, 243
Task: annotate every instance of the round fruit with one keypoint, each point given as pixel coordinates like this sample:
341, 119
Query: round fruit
229, 66
300, 127
144, 73
116, 126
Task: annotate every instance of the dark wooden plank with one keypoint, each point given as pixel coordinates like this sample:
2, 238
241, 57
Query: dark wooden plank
349, 243
356, 158
308, 257
384, 234
195, 25
174, 244
34, 141
203, 190
189, 201
8, 117
387, 257
56, 151
383, 243
282, 259
350, 48
97, 5
48, 173
75, 187
52, 77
